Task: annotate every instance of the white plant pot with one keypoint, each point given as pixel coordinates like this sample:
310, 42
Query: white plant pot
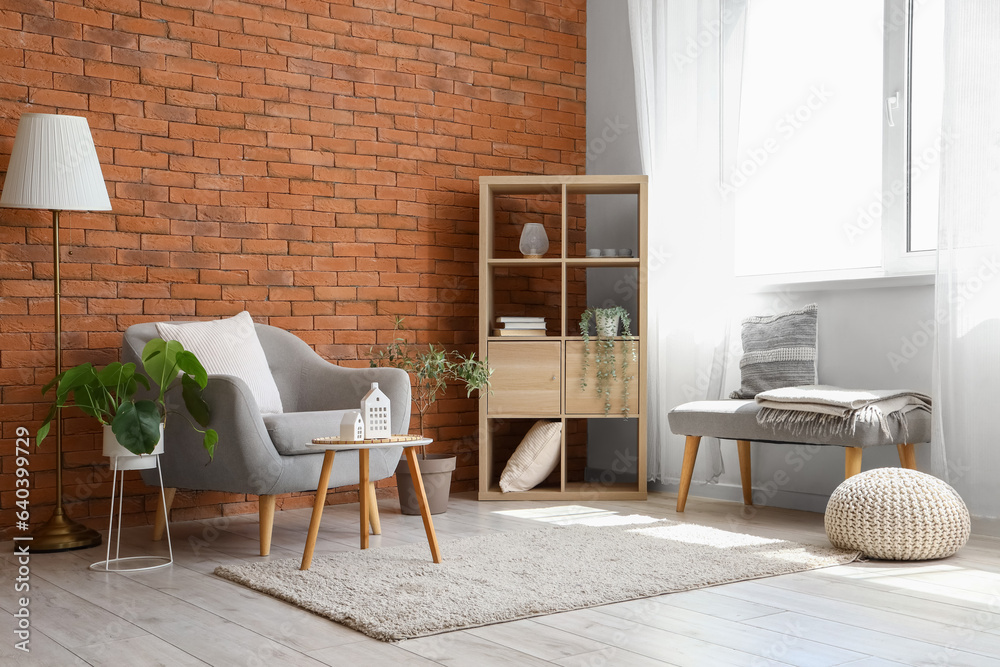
126, 459
607, 327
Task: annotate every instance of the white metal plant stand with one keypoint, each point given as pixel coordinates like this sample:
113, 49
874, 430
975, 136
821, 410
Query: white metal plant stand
127, 564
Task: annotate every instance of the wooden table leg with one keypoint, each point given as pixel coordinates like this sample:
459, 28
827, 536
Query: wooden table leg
373, 510
425, 510
324, 482
363, 494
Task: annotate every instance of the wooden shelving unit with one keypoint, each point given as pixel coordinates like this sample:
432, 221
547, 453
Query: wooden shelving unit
538, 377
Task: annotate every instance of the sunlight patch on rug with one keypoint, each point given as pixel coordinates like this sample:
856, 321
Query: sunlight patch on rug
710, 537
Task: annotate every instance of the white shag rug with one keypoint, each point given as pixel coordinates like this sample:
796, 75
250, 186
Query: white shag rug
396, 593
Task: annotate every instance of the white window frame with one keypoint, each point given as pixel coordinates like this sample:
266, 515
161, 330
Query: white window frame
899, 266
896, 258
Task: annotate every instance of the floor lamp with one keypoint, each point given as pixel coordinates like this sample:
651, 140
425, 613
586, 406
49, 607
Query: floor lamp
54, 166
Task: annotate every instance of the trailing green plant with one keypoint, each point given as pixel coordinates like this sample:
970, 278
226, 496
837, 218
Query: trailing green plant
606, 363
431, 369
108, 395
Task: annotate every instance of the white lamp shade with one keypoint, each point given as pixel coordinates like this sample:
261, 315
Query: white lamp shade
54, 166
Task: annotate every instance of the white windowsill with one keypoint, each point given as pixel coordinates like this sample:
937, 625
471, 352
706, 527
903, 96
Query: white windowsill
831, 280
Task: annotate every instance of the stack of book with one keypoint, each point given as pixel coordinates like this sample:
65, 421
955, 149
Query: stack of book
520, 326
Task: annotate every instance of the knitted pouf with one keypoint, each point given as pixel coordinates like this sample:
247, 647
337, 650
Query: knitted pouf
897, 514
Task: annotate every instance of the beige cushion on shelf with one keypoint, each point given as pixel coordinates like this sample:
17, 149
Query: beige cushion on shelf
534, 459
229, 347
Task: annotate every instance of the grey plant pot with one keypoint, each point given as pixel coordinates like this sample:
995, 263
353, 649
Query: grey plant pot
435, 471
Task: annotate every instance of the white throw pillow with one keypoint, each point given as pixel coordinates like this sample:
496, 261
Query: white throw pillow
534, 459
229, 347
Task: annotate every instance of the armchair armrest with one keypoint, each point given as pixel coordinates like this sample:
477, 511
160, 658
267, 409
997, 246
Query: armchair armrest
326, 386
245, 460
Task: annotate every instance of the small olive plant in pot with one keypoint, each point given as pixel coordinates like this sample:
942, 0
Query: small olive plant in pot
431, 369
606, 364
133, 427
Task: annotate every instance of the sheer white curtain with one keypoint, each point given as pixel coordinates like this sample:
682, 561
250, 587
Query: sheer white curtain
965, 449
687, 57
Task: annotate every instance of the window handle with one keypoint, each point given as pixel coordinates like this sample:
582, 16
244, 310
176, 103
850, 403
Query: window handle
891, 103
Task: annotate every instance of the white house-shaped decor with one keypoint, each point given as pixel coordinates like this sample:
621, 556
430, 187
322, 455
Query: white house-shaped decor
352, 426
375, 408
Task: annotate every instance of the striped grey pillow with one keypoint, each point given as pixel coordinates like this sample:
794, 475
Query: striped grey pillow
778, 351
229, 347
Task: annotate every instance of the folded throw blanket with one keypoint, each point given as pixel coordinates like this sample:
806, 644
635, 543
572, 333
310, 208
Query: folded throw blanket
819, 410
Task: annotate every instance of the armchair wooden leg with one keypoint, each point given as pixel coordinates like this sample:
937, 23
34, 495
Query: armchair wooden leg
907, 456
160, 522
852, 461
743, 446
265, 509
373, 510
687, 469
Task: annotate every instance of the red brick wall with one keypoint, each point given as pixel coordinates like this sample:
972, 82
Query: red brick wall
315, 162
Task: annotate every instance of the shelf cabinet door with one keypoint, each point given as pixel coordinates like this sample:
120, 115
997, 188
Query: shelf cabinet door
526, 378
587, 401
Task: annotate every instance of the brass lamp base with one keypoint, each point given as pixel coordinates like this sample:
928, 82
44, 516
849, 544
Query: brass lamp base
60, 533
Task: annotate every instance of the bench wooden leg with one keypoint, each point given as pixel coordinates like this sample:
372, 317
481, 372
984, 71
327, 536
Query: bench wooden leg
160, 522
743, 446
852, 461
265, 515
687, 469
907, 456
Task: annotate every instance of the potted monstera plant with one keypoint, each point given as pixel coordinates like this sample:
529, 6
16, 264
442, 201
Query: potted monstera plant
133, 427
431, 370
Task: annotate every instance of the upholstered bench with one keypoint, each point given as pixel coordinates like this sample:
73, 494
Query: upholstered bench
736, 419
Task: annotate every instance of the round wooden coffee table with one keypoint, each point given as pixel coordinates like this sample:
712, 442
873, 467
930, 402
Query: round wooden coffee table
334, 445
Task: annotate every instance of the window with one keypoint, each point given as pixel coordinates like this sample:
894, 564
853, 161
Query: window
840, 137
926, 139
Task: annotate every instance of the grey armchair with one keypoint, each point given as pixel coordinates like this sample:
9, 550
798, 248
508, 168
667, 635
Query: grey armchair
267, 455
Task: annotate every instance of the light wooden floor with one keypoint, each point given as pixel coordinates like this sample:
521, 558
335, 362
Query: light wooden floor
864, 615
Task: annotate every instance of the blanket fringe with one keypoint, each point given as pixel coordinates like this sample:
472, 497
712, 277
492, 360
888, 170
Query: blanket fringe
819, 425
